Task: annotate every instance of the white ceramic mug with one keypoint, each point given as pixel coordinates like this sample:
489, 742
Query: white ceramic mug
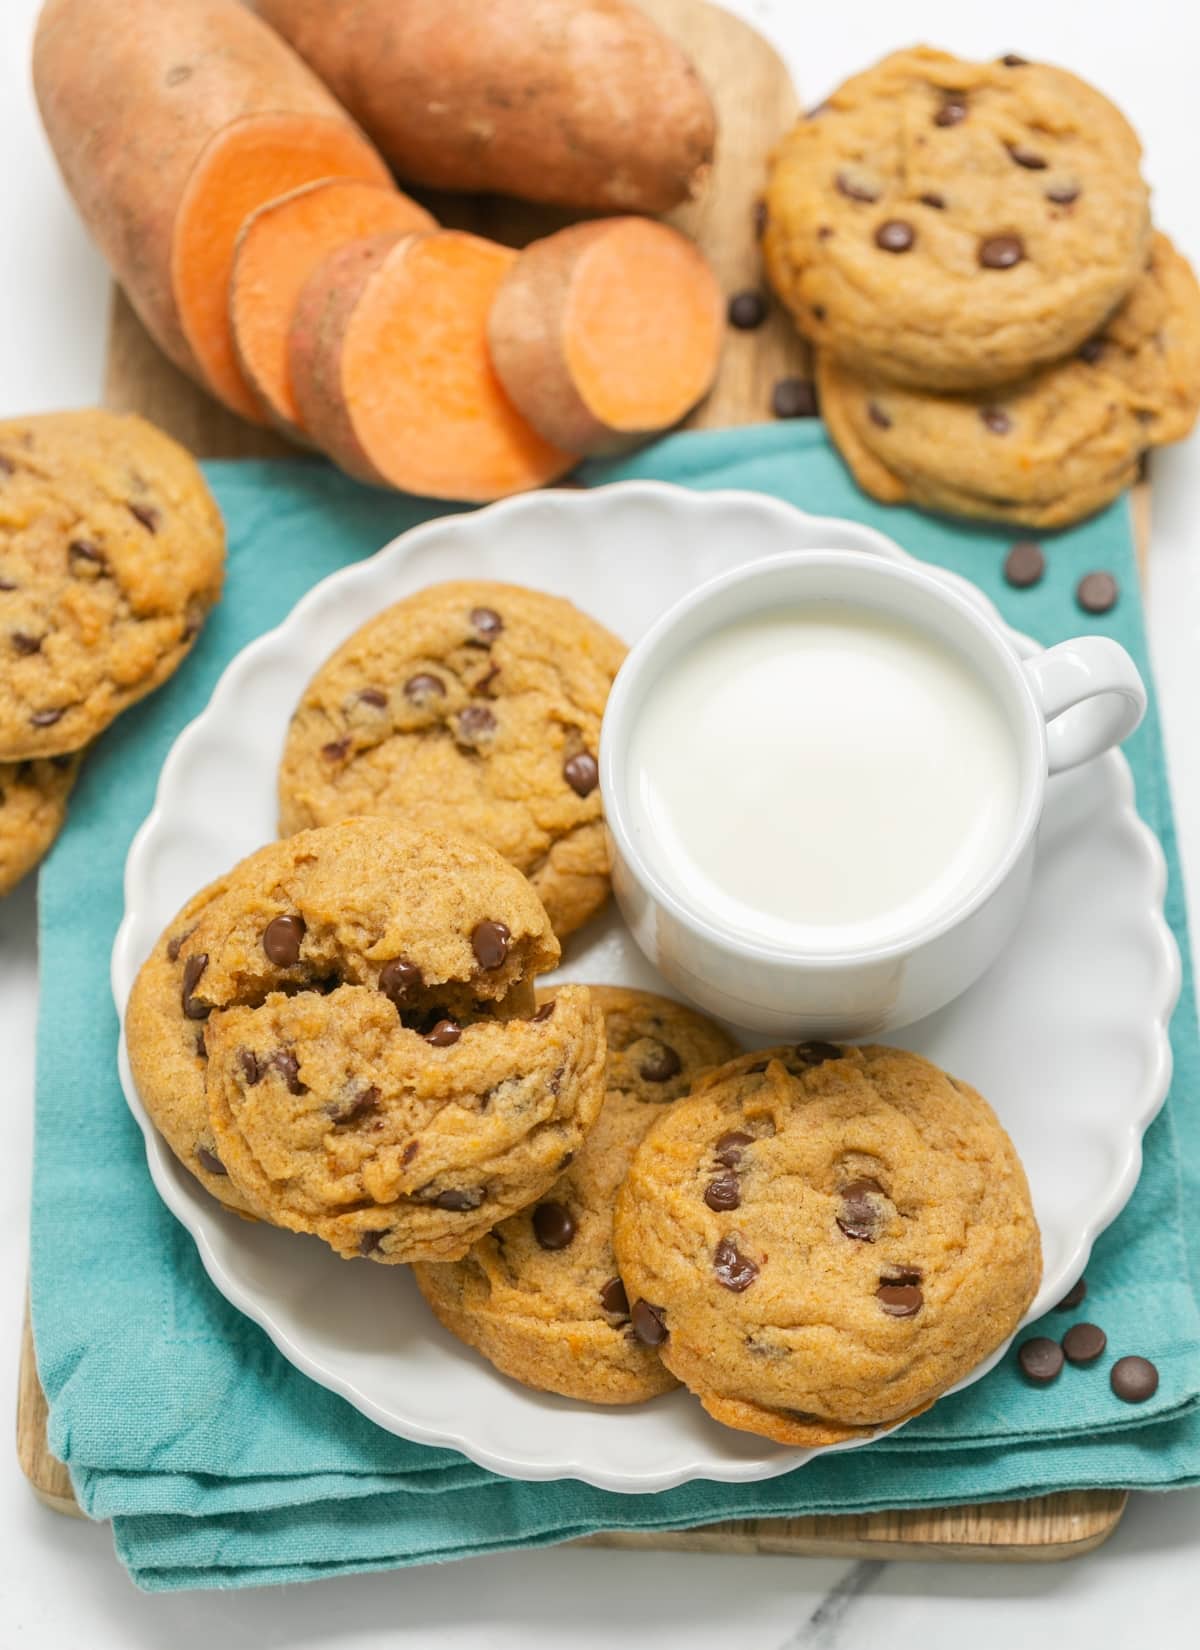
1063, 707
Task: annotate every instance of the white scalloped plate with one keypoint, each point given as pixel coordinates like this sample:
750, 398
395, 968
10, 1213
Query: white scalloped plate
1067, 1034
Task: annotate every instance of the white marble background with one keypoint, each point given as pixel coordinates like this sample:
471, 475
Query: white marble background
60, 1585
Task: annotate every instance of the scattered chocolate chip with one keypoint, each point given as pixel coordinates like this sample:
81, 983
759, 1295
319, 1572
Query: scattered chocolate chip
201, 1044
648, 1323
1024, 565
409, 1152
336, 749
877, 416
194, 617
210, 1161
444, 1033
728, 1149
251, 1070
1041, 1360
423, 687
817, 312
1028, 158
996, 420
370, 1241
288, 1067
553, 1225
459, 1199
1083, 1343
192, 970
399, 979
281, 940
555, 1083
723, 1193
485, 683
951, 112
1091, 351
487, 622
854, 189
660, 1063
582, 773
900, 1300
816, 1054
895, 235
1096, 592
1063, 194
375, 697
747, 310
25, 644
861, 1217
932, 198
794, 398
147, 515
489, 942
176, 75
1001, 251
85, 551
543, 1013
175, 944
1075, 1296
475, 723
1134, 1379
732, 1269
565, 1161
47, 718
614, 1299
760, 218
824, 232
7, 584
1012, 61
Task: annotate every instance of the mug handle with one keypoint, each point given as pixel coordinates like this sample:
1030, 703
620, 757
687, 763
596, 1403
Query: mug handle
1095, 679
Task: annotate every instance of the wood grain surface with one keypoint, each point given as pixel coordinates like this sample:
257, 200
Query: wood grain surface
756, 100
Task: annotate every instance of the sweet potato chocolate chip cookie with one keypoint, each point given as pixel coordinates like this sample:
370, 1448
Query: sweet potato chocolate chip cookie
951, 224
111, 554
362, 1018
823, 1239
1051, 448
540, 1295
33, 805
473, 708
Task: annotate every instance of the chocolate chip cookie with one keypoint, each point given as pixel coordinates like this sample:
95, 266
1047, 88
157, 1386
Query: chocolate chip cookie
540, 1295
362, 1017
112, 551
474, 708
950, 224
822, 1239
33, 805
1051, 448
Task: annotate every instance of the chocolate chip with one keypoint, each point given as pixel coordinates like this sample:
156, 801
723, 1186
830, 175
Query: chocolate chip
487, 622
444, 1034
370, 1241
47, 718
1024, 565
1075, 1296
25, 644
85, 551
648, 1323
1028, 158
1083, 1343
1134, 1379
660, 1063
553, 1225
399, 979
582, 773
423, 687
409, 1152
1063, 194
900, 1300
356, 1106
210, 1161
614, 1299
281, 940
760, 218
475, 723
459, 1200
731, 1268
1041, 1360
7, 584
251, 1070
1012, 61
201, 1045
543, 1013
754, 1070
930, 198
794, 398
175, 944
816, 1054
1091, 351
996, 420
194, 617
728, 1149
951, 112
147, 515
1096, 592
747, 310
854, 189
375, 697
895, 235
336, 749
288, 1067
877, 416
1001, 251
824, 232
861, 1217
192, 970
723, 1193
489, 942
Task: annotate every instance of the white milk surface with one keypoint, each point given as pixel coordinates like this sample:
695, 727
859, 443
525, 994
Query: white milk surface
822, 776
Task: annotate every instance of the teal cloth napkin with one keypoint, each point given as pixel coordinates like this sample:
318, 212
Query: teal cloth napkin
221, 1466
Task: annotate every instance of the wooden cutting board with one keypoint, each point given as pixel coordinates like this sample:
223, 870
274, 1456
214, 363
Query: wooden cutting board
756, 101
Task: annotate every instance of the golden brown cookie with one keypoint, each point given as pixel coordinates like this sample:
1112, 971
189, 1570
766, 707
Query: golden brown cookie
33, 805
822, 1240
950, 224
539, 1296
112, 551
374, 1070
1055, 446
473, 708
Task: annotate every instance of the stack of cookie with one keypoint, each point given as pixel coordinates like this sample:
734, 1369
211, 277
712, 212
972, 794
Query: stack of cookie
999, 331
112, 551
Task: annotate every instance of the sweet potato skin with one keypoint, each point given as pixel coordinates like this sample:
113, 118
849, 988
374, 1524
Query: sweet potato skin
582, 103
130, 93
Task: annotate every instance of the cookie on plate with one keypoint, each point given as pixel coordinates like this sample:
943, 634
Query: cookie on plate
1050, 449
362, 1012
112, 551
539, 1296
822, 1240
473, 708
951, 224
33, 805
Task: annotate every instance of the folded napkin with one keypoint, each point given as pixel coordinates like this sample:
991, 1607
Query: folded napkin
218, 1463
